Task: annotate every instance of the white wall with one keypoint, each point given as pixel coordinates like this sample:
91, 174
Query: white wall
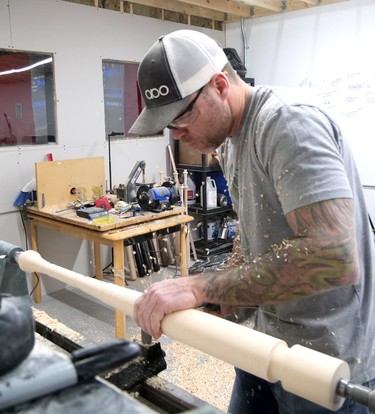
79, 37
329, 49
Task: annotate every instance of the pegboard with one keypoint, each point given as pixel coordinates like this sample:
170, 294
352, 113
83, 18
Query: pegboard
56, 181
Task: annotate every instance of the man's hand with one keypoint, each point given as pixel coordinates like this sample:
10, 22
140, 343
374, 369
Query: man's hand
163, 298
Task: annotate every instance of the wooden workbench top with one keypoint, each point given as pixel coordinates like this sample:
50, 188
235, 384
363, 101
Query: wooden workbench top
118, 223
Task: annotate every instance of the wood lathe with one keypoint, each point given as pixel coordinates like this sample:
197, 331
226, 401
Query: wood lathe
43, 369
309, 374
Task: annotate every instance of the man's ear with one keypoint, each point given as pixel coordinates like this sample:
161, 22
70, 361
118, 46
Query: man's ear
221, 84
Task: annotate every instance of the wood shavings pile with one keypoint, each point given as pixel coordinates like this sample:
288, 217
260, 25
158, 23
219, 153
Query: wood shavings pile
55, 325
202, 375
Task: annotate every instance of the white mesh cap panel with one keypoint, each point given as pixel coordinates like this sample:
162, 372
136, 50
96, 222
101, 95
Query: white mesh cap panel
193, 58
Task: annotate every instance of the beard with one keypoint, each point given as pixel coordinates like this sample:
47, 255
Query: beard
214, 132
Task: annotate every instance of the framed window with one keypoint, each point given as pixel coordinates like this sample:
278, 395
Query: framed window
122, 97
27, 104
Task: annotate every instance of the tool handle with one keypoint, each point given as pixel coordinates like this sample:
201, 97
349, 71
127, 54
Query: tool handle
94, 350
358, 393
102, 358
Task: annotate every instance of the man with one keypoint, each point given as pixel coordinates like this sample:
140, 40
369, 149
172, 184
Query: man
308, 255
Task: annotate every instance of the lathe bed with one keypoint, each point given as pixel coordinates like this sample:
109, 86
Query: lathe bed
100, 395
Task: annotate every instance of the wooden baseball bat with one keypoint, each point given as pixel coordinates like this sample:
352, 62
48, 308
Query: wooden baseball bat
302, 371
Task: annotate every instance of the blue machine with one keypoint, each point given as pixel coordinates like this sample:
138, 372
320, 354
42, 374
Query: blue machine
157, 198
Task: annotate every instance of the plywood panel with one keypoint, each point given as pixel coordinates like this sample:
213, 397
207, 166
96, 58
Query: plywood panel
55, 181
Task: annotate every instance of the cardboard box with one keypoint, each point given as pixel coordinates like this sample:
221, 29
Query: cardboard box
192, 156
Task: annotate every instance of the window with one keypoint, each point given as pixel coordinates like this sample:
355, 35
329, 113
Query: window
27, 107
122, 97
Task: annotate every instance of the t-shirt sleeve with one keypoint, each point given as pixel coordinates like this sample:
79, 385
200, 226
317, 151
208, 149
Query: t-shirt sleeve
300, 150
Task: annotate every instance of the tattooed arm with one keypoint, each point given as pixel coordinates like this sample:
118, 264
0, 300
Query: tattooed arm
321, 256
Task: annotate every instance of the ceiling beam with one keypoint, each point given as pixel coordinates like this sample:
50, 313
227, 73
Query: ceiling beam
226, 6
185, 8
215, 10
274, 5
305, 2
311, 2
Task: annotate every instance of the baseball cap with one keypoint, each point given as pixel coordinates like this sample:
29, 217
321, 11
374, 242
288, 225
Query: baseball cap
177, 65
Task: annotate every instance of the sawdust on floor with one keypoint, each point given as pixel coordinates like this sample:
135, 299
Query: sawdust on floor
202, 375
57, 326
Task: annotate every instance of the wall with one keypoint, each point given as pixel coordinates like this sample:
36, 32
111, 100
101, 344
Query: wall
79, 37
329, 49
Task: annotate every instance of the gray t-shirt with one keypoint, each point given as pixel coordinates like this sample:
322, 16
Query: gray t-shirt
288, 154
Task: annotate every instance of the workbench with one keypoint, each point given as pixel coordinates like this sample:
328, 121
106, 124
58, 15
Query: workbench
113, 235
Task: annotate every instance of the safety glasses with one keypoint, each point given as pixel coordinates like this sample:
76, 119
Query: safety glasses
187, 117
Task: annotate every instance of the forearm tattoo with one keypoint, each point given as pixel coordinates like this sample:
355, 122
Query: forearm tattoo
320, 257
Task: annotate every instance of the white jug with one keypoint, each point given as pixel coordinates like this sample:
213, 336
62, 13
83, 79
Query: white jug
211, 192
191, 192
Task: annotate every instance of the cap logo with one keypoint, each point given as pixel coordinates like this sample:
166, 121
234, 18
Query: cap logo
155, 93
